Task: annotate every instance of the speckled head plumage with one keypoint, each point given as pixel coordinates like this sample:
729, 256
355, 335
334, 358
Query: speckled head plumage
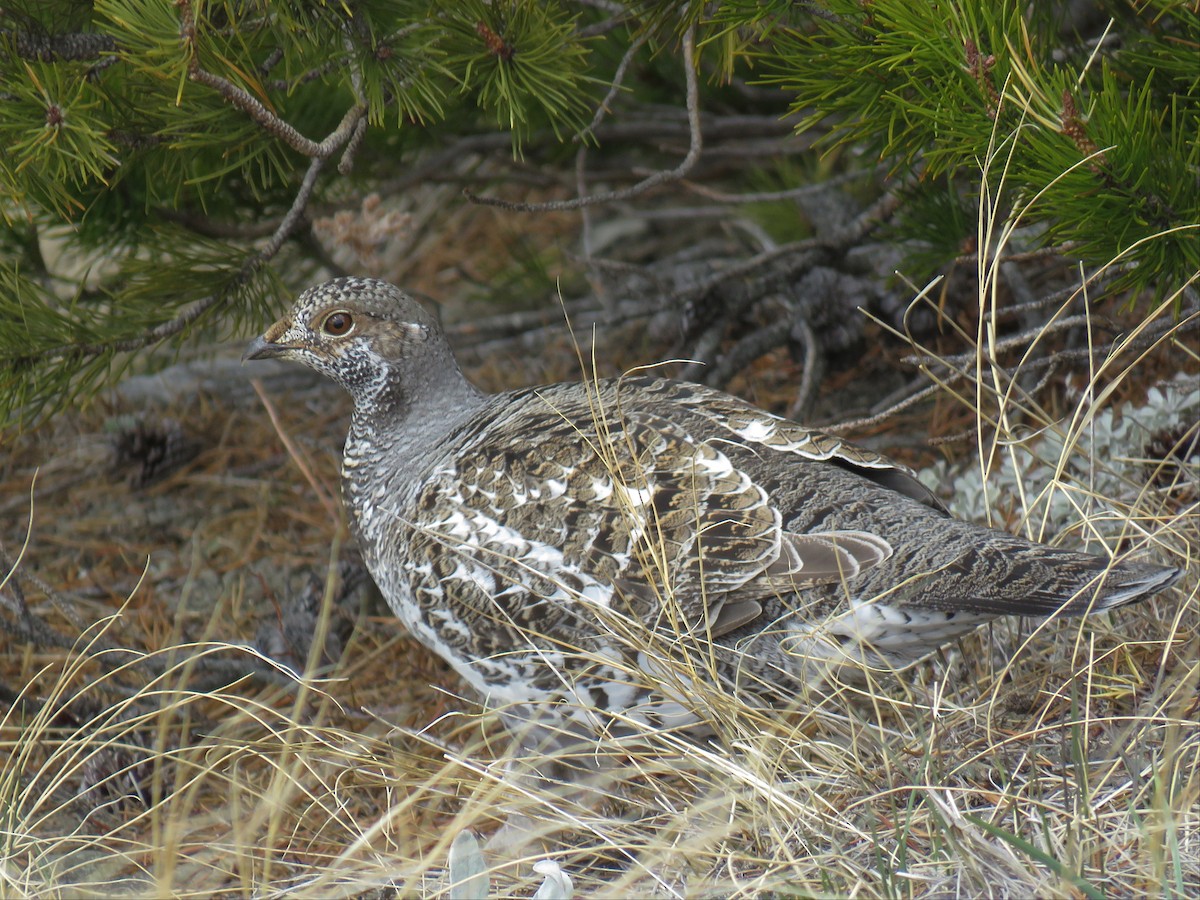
367, 335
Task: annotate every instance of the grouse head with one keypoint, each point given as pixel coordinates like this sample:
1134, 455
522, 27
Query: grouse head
368, 336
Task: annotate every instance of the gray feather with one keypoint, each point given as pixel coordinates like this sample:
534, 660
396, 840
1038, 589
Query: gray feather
515, 532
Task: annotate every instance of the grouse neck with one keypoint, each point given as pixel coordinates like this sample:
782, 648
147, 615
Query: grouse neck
408, 418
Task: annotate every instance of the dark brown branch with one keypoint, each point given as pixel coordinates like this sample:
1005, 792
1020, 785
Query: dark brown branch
255, 109
272, 123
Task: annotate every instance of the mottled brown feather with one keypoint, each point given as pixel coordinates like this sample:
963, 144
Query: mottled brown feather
542, 540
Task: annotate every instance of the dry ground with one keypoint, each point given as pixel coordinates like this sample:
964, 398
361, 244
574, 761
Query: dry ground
1067, 764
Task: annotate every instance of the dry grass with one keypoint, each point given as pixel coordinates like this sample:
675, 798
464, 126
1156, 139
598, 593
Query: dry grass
1073, 769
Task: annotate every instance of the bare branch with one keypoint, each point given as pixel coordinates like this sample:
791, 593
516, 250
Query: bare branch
814, 365
346, 164
271, 123
769, 196
25, 625
909, 397
618, 78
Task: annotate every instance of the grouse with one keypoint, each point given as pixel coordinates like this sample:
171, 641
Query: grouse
560, 545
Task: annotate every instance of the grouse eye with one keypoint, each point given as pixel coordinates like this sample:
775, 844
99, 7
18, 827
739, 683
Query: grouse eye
338, 323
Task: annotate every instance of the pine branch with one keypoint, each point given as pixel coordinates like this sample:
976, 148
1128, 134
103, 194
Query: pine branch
203, 116
189, 316
658, 178
254, 108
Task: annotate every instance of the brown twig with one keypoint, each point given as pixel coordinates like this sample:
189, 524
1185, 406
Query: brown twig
272, 123
255, 109
25, 625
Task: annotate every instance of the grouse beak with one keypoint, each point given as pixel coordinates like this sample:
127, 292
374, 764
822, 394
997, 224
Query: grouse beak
268, 344
261, 348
